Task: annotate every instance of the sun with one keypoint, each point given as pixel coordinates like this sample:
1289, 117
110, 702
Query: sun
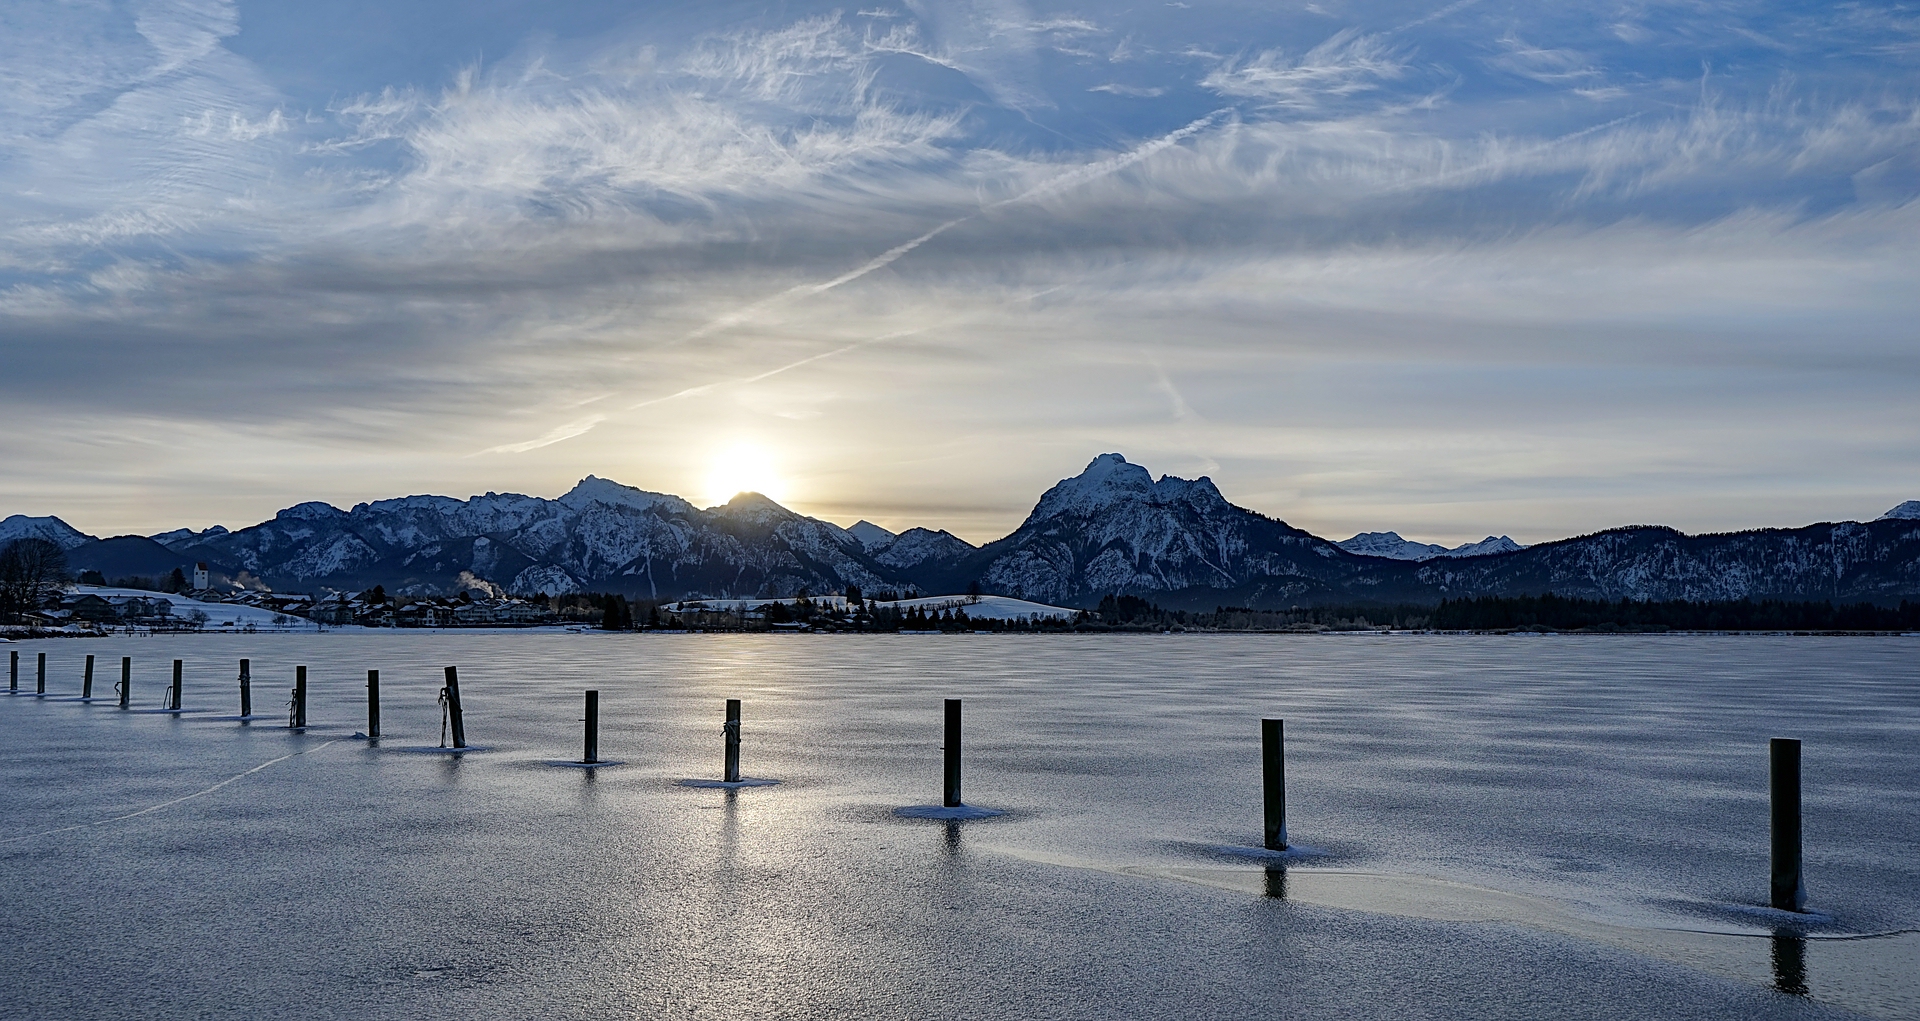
744, 468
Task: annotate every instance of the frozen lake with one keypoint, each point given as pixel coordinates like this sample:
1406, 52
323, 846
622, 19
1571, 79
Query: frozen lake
1499, 827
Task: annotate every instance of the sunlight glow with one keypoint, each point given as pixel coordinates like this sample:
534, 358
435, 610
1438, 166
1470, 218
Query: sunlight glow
744, 467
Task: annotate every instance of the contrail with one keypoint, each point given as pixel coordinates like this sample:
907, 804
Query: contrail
554, 435
1061, 182
804, 290
694, 391
1436, 15
1081, 175
1545, 146
169, 804
1077, 176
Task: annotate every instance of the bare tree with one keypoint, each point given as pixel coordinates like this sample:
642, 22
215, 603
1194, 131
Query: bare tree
28, 567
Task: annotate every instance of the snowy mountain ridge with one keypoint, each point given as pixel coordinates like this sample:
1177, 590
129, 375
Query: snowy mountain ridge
50, 528
1111, 529
1393, 547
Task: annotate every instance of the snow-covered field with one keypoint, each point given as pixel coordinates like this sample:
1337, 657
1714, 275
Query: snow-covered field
220, 616
979, 608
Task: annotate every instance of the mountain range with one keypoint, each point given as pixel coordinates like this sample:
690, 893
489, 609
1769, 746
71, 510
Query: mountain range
1112, 529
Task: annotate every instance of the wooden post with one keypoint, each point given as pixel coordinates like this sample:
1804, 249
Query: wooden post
593, 729
297, 718
126, 680
373, 703
246, 687
731, 770
1789, 884
1273, 771
174, 702
952, 747
452, 695
40, 676
13, 669
86, 683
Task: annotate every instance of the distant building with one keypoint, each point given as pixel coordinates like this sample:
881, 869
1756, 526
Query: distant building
199, 577
334, 609
90, 607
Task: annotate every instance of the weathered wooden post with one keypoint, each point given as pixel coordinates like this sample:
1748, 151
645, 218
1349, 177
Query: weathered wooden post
246, 688
126, 680
13, 669
592, 754
731, 728
1789, 882
450, 701
373, 703
1273, 770
86, 681
297, 709
174, 701
952, 747
40, 676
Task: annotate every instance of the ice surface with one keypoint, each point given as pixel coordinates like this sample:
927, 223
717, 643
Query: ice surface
979, 607
1556, 785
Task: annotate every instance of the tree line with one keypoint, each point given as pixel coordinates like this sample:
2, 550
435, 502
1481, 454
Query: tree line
1520, 613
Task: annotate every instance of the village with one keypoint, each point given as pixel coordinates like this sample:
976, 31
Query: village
200, 604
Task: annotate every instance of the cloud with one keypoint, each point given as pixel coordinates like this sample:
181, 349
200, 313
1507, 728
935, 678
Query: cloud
1398, 249
1347, 63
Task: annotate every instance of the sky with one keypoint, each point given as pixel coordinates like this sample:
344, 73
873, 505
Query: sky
1452, 269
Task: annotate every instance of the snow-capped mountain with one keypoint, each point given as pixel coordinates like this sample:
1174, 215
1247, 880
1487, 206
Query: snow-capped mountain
919, 546
1391, 546
1848, 561
181, 538
599, 535
870, 534
50, 528
1112, 529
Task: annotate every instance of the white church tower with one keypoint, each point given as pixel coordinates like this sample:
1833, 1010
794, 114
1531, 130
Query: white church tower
199, 577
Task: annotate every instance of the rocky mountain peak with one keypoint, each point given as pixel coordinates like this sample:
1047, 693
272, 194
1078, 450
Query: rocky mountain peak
1110, 481
752, 507
1393, 547
1909, 511
592, 490
312, 510
50, 528
871, 536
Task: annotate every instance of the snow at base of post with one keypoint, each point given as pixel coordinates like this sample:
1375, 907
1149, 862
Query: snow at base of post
947, 812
